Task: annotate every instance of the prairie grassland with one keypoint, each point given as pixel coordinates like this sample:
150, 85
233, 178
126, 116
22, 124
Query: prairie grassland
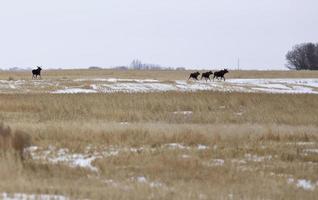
200, 145
162, 75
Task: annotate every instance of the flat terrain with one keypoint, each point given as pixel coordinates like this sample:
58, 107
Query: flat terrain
160, 144
162, 75
132, 81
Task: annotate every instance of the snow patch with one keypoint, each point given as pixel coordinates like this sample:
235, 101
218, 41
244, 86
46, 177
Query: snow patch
176, 146
115, 80
141, 179
290, 180
136, 87
183, 112
22, 196
185, 156
305, 184
215, 162
73, 91
63, 156
109, 85
311, 150
301, 143
256, 158
202, 147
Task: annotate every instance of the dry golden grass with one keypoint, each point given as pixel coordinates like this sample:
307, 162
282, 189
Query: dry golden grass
207, 107
13, 142
256, 135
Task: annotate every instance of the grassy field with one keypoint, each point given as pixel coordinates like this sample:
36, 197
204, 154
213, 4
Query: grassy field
162, 75
162, 145
172, 145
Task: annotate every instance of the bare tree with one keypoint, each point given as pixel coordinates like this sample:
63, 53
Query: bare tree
303, 57
137, 64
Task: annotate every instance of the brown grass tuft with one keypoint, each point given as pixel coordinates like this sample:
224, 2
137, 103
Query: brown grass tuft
13, 141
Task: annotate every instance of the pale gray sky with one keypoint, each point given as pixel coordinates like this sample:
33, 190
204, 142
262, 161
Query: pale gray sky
190, 33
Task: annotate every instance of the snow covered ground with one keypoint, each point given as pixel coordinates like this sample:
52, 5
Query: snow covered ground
85, 159
22, 196
111, 85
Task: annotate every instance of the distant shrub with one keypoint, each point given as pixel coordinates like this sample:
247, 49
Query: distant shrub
121, 68
180, 69
95, 68
13, 141
10, 78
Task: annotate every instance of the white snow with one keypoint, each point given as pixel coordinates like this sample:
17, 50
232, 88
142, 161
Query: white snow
157, 184
176, 146
22, 196
256, 158
63, 156
185, 156
279, 85
301, 143
85, 160
215, 162
311, 150
305, 184
181, 146
74, 91
183, 112
109, 85
75, 160
144, 180
239, 161
136, 87
141, 179
239, 85
290, 180
126, 184
115, 80
202, 147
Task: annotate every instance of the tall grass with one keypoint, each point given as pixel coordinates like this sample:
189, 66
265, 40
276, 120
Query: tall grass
275, 128
207, 107
13, 142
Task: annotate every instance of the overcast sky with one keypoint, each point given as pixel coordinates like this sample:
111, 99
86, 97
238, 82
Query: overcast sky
189, 33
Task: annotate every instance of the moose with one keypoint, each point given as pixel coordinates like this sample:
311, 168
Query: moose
206, 75
36, 73
220, 74
194, 76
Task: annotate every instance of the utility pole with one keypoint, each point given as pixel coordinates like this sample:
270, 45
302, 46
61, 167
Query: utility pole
238, 64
